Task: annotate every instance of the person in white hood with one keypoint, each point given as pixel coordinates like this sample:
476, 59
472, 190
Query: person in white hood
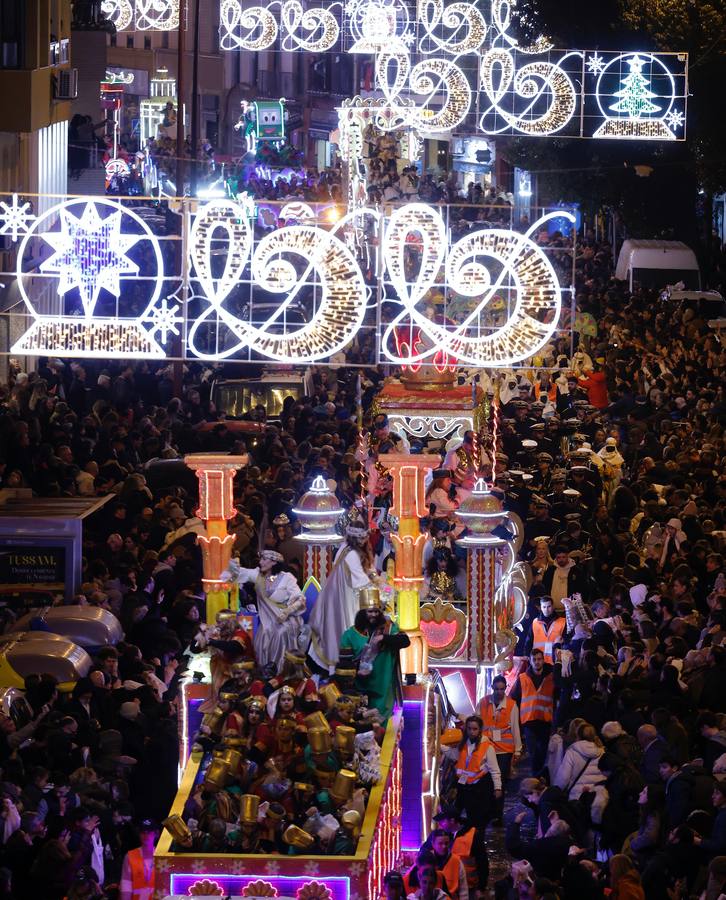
612, 470
579, 770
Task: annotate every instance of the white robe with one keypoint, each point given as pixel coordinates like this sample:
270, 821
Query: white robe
336, 607
280, 604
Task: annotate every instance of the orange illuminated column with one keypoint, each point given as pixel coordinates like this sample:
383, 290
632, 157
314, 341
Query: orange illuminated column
409, 506
215, 472
318, 512
481, 513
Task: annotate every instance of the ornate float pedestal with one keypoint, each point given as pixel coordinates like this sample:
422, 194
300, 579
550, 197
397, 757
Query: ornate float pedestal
215, 472
423, 406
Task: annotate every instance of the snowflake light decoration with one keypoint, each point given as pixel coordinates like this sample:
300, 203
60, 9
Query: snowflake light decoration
272, 867
311, 867
15, 218
675, 119
165, 319
595, 64
90, 254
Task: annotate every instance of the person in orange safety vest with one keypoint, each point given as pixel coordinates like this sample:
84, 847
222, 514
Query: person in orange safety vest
449, 864
548, 630
477, 773
535, 690
468, 844
500, 715
137, 872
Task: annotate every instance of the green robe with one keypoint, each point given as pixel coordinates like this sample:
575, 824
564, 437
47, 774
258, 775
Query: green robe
379, 685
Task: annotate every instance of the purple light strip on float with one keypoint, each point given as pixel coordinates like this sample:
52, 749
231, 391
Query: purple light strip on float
286, 885
411, 771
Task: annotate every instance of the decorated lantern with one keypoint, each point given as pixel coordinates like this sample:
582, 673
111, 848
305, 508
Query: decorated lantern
482, 513
318, 512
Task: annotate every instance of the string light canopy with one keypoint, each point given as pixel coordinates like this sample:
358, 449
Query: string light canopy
79, 296
532, 90
142, 15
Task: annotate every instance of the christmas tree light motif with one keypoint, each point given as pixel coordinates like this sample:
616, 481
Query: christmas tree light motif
643, 104
635, 95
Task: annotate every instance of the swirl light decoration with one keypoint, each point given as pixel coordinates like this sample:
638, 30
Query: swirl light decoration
157, 15
548, 91
517, 267
285, 262
314, 30
464, 19
120, 12
320, 26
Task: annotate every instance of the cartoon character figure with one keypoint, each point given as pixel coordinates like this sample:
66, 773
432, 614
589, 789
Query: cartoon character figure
262, 120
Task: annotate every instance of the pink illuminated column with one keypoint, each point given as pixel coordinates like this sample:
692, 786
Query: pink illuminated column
215, 472
409, 505
318, 512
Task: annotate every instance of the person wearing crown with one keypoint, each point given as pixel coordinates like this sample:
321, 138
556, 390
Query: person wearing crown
280, 604
375, 641
337, 604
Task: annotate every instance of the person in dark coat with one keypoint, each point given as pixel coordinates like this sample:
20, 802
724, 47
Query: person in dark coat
715, 844
654, 750
547, 854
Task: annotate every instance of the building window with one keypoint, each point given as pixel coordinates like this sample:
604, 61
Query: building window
130, 41
113, 39
147, 42
11, 33
164, 40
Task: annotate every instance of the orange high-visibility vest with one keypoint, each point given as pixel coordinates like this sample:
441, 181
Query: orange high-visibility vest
537, 703
462, 848
500, 721
451, 873
141, 887
544, 638
470, 765
409, 888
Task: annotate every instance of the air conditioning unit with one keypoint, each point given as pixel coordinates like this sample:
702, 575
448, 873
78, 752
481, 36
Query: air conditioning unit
67, 84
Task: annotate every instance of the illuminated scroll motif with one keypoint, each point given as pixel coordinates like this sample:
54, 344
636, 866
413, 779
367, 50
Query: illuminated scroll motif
289, 263
532, 90
516, 269
314, 30
120, 12
157, 15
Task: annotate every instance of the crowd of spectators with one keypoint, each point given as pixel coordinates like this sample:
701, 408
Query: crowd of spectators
614, 461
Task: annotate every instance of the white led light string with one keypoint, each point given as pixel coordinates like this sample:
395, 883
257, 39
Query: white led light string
533, 280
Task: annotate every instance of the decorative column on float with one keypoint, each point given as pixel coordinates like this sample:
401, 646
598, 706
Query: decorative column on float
408, 474
318, 511
215, 472
481, 513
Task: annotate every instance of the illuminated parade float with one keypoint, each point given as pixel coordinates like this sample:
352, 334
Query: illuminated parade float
437, 302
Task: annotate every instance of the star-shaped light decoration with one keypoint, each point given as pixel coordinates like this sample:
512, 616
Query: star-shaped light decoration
595, 64
165, 319
15, 218
90, 254
675, 119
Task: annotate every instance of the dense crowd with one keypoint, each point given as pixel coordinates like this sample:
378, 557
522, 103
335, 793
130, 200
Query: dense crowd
612, 458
